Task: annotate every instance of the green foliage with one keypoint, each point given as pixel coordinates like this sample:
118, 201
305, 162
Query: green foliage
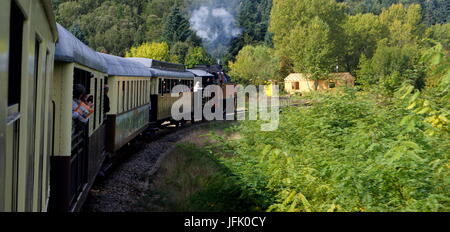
434, 102
441, 34
308, 34
114, 27
191, 179
255, 65
362, 31
197, 55
157, 51
347, 152
396, 56
176, 27
390, 67
178, 52
434, 11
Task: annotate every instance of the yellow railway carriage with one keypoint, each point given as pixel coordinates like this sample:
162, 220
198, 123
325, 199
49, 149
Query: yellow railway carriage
168, 75
130, 84
79, 148
27, 44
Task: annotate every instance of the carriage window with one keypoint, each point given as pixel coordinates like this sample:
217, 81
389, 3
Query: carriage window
123, 96
127, 92
136, 94
139, 92
15, 54
95, 103
101, 101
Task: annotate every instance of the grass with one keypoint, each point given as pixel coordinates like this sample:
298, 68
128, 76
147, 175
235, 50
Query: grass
192, 179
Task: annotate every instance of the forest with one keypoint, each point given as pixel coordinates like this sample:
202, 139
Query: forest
115, 26
380, 146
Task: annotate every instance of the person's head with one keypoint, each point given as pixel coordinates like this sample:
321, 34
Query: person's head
89, 98
106, 89
78, 91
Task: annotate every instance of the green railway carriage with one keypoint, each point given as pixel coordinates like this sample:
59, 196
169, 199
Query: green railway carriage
27, 44
168, 75
79, 149
130, 84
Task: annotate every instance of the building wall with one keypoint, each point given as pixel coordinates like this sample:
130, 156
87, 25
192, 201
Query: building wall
308, 85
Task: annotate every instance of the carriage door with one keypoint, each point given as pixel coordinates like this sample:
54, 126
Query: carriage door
11, 179
80, 144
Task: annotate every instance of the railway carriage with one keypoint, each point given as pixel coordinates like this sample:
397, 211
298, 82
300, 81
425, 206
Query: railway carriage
130, 85
167, 75
27, 44
48, 160
79, 149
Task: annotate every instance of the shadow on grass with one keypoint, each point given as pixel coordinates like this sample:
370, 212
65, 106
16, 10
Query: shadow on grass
192, 179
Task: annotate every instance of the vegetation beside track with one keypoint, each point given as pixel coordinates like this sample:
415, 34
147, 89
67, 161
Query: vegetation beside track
348, 151
192, 178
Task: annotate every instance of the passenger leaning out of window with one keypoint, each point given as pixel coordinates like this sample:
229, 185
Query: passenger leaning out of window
80, 110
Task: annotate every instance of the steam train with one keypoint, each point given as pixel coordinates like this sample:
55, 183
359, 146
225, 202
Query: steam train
48, 160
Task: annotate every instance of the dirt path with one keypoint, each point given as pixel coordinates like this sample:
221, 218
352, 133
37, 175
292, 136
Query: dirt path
123, 188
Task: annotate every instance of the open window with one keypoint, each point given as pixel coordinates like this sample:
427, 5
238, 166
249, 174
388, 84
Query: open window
296, 85
15, 58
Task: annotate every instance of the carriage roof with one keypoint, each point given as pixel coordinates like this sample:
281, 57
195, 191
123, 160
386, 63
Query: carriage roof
72, 50
118, 66
200, 73
165, 69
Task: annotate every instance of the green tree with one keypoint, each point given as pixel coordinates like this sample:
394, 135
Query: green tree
176, 27
396, 58
178, 52
77, 32
255, 65
441, 34
363, 31
157, 51
403, 23
309, 35
390, 67
111, 26
197, 55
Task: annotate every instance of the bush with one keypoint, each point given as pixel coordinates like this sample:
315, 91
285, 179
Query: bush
348, 152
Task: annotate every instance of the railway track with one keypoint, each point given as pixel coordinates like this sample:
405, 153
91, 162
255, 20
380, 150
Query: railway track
119, 189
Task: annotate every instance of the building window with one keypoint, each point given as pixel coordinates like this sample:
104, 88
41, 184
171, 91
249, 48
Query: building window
332, 85
296, 85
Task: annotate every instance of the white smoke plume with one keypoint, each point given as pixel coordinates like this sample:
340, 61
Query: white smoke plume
216, 26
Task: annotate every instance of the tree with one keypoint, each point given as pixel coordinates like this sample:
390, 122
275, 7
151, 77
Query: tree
362, 31
197, 55
111, 26
312, 50
441, 34
178, 52
253, 18
77, 32
157, 51
403, 23
255, 65
177, 27
396, 58
390, 67
309, 35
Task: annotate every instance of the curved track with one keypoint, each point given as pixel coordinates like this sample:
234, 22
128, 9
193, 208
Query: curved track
125, 185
